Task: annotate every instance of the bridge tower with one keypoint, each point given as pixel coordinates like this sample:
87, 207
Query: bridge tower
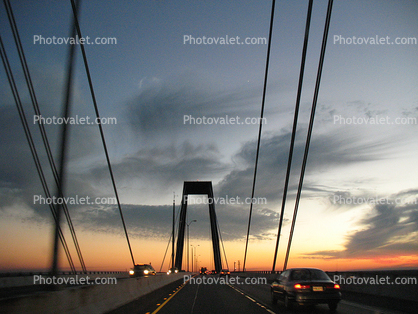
198, 188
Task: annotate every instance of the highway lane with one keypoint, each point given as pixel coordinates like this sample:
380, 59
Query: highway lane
150, 302
237, 297
210, 298
193, 298
261, 293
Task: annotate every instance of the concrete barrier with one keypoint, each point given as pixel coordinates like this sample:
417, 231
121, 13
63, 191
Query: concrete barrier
88, 298
397, 284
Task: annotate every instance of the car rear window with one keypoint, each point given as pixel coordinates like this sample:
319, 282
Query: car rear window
309, 274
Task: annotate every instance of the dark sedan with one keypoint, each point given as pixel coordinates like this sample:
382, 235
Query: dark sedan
224, 272
142, 270
305, 286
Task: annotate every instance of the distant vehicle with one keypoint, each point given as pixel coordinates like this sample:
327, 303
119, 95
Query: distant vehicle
173, 270
224, 272
305, 286
203, 270
213, 272
142, 270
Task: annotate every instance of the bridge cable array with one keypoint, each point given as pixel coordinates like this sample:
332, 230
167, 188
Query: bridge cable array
311, 122
63, 156
77, 25
310, 128
295, 123
222, 242
32, 147
45, 140
58, 177
260, 128
169, 241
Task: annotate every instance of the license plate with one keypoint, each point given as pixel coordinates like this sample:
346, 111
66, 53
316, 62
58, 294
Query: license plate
316, 288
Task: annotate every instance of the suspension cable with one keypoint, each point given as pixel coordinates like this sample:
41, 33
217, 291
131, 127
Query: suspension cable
311, 122
100, 126
222, 242
63, 155
32, 147
169, 241
295, 123
260, 128
31, 89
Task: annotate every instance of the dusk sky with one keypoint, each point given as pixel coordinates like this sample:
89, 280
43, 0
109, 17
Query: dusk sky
149, 80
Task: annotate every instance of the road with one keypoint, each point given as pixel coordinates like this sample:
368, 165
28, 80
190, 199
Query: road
236, 296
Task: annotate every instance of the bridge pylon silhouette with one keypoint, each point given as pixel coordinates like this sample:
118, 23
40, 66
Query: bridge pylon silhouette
198, 188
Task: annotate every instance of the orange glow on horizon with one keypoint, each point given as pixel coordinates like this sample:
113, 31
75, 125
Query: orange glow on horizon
29, 248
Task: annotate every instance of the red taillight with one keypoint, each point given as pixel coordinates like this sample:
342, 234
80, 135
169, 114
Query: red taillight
336, 286
299, 286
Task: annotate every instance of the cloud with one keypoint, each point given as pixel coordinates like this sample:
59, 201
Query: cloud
327, 152
160, 170
155, 222
391, 228
146, 172
161, 106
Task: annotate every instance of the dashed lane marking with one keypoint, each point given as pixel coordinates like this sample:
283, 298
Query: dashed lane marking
248, 297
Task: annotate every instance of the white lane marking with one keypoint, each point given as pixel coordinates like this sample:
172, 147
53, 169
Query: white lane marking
248, 297
195, 297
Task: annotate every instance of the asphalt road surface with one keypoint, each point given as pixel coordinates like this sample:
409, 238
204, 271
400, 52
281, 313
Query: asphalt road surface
232, 297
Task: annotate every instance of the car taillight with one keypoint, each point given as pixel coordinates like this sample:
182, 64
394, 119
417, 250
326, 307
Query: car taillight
299, 286
336, 286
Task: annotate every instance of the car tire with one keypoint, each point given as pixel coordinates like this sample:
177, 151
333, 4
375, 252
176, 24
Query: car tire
333, 306
273, 298
287, 303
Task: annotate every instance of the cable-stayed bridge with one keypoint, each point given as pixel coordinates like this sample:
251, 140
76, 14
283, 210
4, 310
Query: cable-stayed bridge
89, 291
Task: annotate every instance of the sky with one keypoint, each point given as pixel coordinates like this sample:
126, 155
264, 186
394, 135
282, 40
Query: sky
358, 208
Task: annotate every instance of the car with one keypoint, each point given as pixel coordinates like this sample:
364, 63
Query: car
142, 270
213, 272
173, 270
203, 270
305, 286
224, 272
